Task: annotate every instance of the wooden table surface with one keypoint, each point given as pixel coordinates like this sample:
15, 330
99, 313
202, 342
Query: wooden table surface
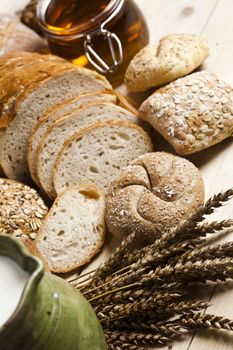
212, 19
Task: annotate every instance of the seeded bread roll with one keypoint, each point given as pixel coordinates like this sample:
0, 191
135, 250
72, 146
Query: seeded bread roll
153, 194
21, 210
74, 230
33, 103
63, 129
15, 36
173, 57
60, 110
192, 113
98, 153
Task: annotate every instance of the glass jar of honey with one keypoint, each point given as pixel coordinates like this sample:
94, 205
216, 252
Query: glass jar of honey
100, 34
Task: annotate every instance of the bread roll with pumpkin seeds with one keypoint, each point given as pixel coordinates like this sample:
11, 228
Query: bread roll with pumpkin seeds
153, 194
192, 113
175, 56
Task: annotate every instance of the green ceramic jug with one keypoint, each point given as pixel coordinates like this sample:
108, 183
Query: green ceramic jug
51, 315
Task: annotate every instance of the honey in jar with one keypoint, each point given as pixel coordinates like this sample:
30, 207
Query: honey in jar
101, 34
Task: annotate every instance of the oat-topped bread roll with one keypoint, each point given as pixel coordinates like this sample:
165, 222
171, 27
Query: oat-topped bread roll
15, 36
173, 57
192, 113
154, 193
22, 210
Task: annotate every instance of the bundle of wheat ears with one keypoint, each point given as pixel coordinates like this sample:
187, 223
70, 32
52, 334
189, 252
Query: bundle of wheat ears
142, 296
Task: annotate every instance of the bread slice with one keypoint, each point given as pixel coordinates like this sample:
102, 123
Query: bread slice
98, 153
54, 114
34, 103
74, 229
63, 129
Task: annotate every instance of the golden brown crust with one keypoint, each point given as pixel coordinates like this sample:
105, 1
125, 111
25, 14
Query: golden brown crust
153, 194
192, 113
14, 84
173, 57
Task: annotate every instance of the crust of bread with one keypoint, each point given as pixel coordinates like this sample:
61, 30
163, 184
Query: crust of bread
192, 113
155, 193
20, 81
173, 57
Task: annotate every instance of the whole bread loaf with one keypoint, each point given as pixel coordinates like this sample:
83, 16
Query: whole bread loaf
153, 194
192, 113
74, 230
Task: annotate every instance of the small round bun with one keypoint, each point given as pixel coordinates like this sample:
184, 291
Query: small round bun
154, 193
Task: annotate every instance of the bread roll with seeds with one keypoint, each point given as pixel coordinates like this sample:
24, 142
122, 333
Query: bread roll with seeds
98, 153
192, 113
152, 195
173, 57
22, 210
74, 230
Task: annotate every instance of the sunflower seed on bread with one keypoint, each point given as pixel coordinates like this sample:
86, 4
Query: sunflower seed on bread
74, 230
192, 113
173, 57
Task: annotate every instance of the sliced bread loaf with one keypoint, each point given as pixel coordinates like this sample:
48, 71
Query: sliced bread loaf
54, 114
35, 102
63, 129
97, 154
74, 230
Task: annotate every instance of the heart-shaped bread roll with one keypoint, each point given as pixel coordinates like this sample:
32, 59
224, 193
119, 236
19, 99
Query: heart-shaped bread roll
173, 57
153, 194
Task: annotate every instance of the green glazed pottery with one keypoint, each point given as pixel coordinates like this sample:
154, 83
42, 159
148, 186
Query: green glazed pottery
51, 315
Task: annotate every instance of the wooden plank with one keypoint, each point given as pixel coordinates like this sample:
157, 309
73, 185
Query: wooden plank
217, 166
11, 6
